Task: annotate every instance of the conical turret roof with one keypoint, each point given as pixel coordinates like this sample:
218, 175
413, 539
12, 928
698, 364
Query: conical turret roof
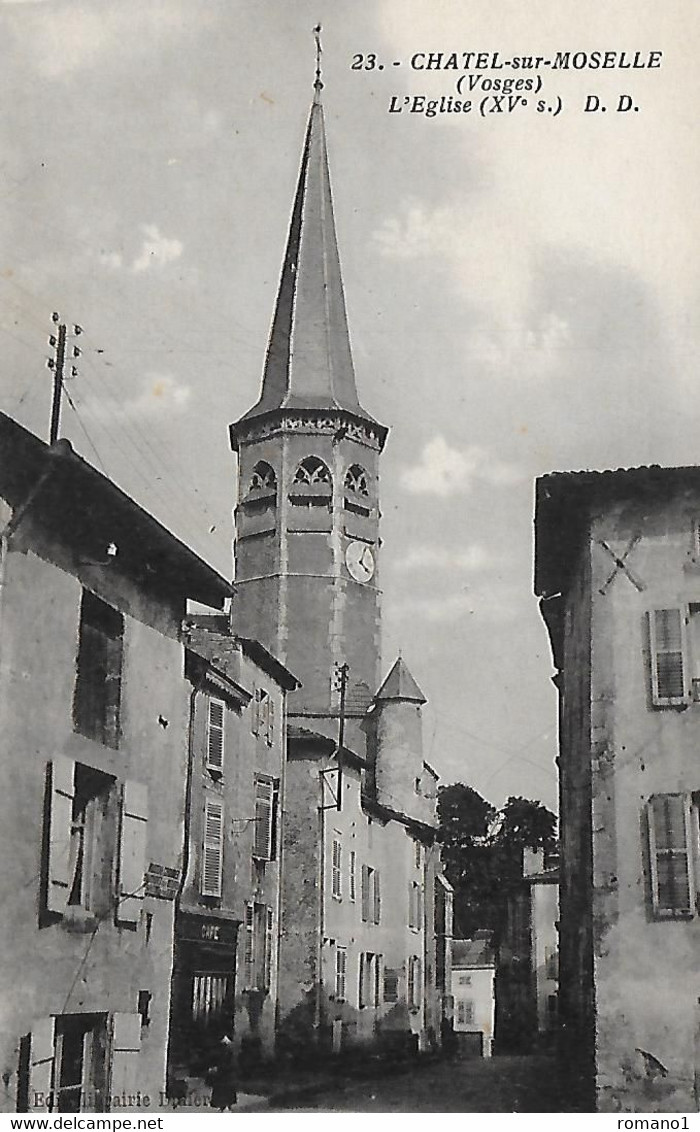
400, 685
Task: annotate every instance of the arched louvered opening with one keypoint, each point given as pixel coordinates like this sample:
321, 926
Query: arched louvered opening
356, 486
263, 478
312, 485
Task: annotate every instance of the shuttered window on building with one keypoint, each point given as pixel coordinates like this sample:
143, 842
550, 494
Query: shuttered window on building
215, 735
264, 801
670, 819
668, 648
365, 895
213, 847
414, 982
249, 946
391, 985
341, 967
337, 869
376, 897
352, 877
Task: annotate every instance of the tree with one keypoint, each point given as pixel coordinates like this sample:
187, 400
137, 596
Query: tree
483, 852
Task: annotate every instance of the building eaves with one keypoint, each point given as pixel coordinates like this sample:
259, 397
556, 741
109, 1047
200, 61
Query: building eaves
81, 507
565, 502
257, 652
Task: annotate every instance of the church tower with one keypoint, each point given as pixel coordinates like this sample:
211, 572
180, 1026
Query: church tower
307, 544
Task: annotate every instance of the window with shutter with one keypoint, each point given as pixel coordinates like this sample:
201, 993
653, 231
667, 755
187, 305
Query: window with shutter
362, 984
378, 980
670, 823
269, 941
341, 966
215, 736
352, 878
391, 985
414, 982
377, 897
41, 1065
365, 893
249, 947
264, 795
337, 869
59, 834
132, 852
668, 648
270, 722
126, 1047
213, 847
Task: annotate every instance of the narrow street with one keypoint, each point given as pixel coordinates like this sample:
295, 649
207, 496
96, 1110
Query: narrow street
499, 1084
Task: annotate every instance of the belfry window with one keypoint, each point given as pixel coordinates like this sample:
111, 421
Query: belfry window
312, 485
312, 472
356, 481
356, 486
263, 478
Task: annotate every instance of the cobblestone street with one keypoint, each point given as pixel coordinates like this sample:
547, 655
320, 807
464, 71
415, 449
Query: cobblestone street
500, 1084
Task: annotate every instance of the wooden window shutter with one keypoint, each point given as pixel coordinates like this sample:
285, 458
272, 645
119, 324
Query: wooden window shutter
378, 979
262, 841
362, 981
668, 648
212, 847
365, 892
411, 914
62, 790
270, 729
249, 946
132, 851
669, 820
215, 735
41, 1059
255, 712
351, 875
391, 985
269, 940
377, 898
336, 869
126, 1047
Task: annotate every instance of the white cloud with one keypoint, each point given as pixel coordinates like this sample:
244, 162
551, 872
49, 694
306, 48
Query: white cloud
160, 393
440, 558
112, 260
157, 249
416, 231
443, 470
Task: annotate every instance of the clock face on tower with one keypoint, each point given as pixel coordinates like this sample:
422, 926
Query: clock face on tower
359, 561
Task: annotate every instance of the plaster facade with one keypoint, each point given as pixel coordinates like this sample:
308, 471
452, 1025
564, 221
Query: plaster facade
630, 932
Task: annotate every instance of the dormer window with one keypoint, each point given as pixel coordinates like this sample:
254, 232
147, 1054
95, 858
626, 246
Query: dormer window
312, 484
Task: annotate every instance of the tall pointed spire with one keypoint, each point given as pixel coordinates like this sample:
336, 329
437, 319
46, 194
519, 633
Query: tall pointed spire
309, 361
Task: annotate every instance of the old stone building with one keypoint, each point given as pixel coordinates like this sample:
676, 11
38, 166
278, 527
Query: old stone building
618, 576
93, 718
228, 910
357, 954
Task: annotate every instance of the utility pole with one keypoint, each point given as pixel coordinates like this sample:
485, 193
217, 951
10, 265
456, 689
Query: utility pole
57, 365
341, 684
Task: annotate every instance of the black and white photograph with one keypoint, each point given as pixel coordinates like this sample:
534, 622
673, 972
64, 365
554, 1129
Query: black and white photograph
349, 558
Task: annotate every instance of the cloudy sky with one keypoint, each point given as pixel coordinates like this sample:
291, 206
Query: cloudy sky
522, 288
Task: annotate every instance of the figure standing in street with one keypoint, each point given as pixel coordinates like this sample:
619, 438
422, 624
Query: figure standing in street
224, 1094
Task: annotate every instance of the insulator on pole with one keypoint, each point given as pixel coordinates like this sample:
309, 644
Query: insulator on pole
76, 351
55, 317
77, 329
50, 363
52, 339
